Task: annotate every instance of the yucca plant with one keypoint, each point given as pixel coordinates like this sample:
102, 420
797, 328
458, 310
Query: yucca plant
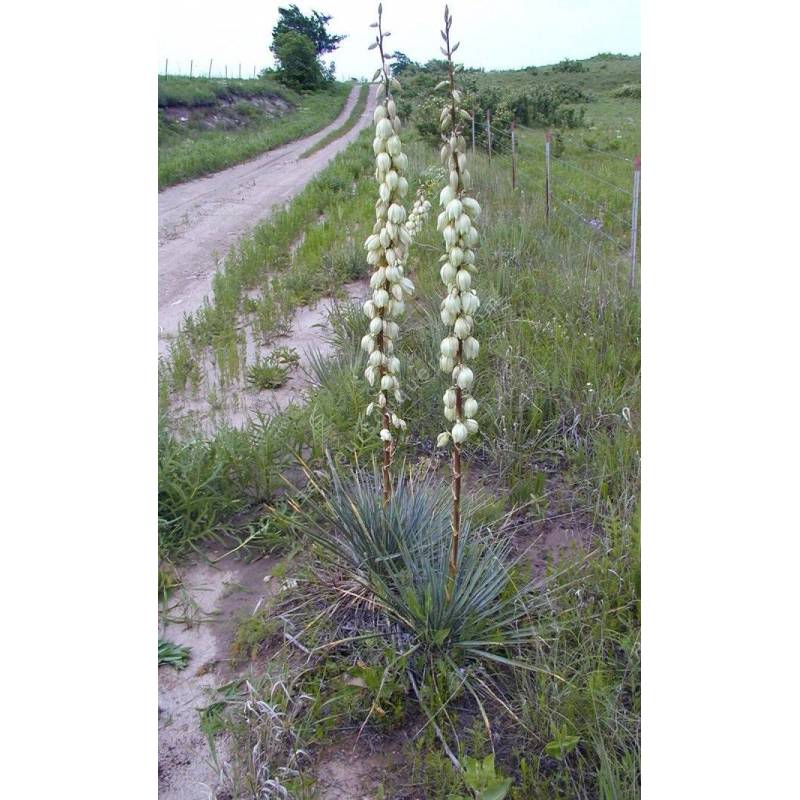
400, 555
456, 222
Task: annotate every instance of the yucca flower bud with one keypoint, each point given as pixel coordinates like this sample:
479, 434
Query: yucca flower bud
464, 280
386, 435
449, 398
465, 378
384, 128
367, 343
461, 328
449, 346
470, 407
442, 439
453, 303
459, 432
470, 348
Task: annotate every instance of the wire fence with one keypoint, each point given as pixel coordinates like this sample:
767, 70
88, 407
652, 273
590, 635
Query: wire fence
602, 206
208, 68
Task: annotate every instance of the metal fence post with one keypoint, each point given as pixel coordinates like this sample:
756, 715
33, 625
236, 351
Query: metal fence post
637, 182
513, 154
240, 71
226, 72
548, 136
489, 133
473, 134
254, 73
209, 67
191, 65
166, 68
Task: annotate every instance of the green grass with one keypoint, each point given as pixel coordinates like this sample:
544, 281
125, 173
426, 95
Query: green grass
558, 380
186, 153
199, 91
173, 655
347, 125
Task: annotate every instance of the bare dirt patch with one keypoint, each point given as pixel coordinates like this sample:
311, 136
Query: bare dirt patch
357, 769
211, 405
202, 615
225, 114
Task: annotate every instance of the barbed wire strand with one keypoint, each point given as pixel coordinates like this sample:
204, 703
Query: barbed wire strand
564, 162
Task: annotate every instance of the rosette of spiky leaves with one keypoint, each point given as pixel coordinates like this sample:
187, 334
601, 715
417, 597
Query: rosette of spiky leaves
457, 225
387, 249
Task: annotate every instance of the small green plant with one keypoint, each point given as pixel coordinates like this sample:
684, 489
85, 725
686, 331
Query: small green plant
285, 355
173, 655
480, 776
268, 374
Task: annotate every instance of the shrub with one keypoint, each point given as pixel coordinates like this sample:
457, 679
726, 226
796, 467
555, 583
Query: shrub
570, 65
297, 60
629, 90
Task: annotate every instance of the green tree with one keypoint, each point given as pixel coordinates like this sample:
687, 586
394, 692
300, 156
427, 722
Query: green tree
298, 66
401, 62
313, 26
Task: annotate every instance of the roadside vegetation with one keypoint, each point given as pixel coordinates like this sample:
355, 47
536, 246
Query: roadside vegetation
190, 144
519, 679
345, 127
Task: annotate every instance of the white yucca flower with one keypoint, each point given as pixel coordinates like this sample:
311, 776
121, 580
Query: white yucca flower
456, 223
387, 249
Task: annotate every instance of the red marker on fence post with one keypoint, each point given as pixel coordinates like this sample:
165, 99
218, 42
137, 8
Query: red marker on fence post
513, 155
489, 133
548, 137
637, 182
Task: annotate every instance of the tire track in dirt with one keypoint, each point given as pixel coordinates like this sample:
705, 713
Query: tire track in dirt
199, 221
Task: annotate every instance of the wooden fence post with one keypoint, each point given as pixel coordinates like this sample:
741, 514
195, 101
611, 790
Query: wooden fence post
489, 133
209, 67
240, 71
548, 136
254, 73
513, 154
637, 182
166, 68
473, 134
191, 65
226, 72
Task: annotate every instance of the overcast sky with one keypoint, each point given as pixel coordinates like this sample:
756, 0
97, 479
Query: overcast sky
499, 34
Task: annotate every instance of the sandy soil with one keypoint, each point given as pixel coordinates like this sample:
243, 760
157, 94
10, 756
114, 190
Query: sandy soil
210, 604
200, 220
238, 402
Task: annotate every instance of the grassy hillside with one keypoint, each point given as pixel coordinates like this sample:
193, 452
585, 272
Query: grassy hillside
207, 125
558, 380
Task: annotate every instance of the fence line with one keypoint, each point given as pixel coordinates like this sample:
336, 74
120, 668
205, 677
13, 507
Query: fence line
221, 73
569, 164
512, 162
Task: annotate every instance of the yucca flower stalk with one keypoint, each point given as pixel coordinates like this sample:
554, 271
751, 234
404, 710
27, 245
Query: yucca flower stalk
387, 249
418, 214
456, 223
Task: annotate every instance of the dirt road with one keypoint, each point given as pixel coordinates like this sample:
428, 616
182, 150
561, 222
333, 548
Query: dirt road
201, 219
